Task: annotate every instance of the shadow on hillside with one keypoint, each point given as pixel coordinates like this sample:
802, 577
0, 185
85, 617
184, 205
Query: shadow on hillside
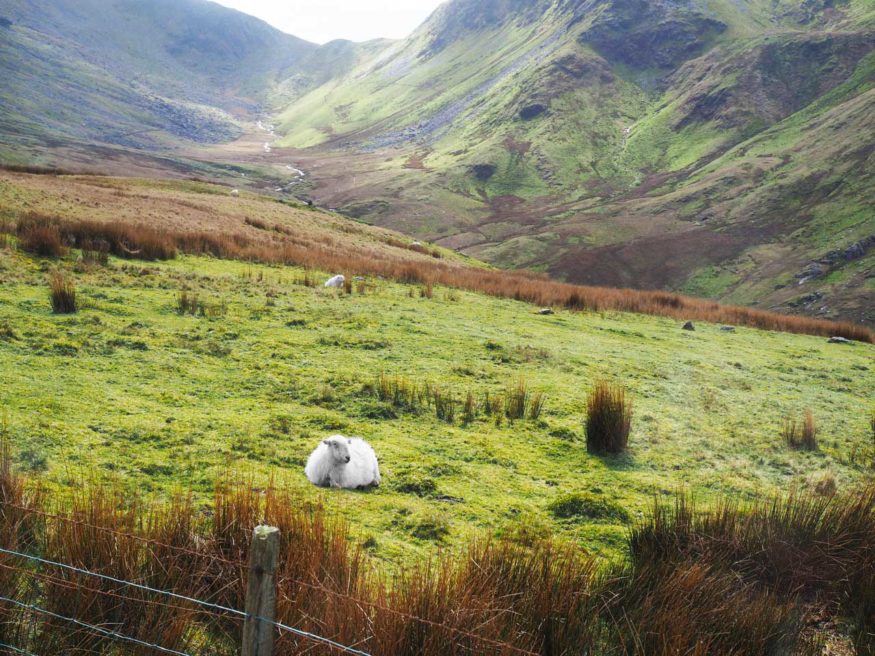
620, 462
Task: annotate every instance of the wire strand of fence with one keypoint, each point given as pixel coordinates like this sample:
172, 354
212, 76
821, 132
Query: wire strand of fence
92, 627
139, 586
316, 638
70, 585
17, 650
124, 534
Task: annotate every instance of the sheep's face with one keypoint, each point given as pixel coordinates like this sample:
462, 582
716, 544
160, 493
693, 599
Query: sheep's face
339, 447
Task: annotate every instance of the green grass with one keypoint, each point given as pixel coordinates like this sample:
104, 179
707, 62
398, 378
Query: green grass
129, 390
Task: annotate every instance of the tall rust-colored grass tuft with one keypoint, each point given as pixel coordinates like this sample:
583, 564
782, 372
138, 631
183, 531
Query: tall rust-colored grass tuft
62, 291
521, 403
469, 409
41, 236
444, 402
608, 419
801, 435
516, 400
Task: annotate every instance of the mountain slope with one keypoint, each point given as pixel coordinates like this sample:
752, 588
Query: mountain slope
552, 134
146, 74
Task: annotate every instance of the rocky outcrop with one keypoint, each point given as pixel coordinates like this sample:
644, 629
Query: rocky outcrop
855, 251
773, 80
648, 34
836, 259
483, 172
530, 112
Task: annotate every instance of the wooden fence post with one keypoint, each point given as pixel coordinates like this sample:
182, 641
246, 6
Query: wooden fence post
258, 629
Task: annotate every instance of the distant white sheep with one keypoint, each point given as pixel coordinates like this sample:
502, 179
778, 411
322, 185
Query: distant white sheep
235, 192
336, 282
342, 462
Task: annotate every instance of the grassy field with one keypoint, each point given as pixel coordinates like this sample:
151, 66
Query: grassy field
131, 391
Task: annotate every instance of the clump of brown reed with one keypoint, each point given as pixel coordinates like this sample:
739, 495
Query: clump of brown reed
608, 419
62, 292
469, 409
40, 236
123, 240
499, 598
696, 608
521, 403
307, 279
801, 435
400, 392
809, 549
44, 235
444, 402
191, 303
257, 223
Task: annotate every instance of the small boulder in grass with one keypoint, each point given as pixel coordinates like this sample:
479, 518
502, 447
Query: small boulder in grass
839, 340
727, 329
689, 326
546, 312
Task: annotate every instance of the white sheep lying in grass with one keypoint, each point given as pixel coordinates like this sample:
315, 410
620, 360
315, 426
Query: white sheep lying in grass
336, 282
343, 462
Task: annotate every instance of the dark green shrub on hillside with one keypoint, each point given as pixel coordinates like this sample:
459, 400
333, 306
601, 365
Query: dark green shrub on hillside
421, 486
432, 529
608, 419
585, 505
7, 332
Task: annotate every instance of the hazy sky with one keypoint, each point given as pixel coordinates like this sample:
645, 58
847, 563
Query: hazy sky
325, 20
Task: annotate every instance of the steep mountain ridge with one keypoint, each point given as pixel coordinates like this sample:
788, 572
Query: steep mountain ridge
541, 128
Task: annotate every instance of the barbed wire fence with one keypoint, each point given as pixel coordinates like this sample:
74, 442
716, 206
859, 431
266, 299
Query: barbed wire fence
258, 641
